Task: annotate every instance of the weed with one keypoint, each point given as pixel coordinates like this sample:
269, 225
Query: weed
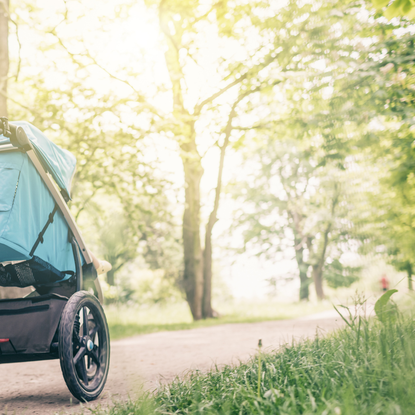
259, 366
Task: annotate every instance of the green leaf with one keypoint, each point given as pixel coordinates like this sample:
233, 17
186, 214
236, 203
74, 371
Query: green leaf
395, 9
406, 8
380, 3
383, 312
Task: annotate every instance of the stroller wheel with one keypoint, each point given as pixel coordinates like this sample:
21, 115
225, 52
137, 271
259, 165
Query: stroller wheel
84, 347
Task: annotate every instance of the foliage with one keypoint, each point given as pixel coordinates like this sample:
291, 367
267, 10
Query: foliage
361, 369
117, 242
385, 310
338, 275
370, 116
139, 286
382, 89
396, 8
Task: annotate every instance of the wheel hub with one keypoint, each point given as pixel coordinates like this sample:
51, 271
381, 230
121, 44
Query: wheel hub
89, 345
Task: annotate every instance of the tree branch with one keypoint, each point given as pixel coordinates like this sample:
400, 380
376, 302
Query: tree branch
31, 110
268, 60
19, 60
140, 98
199, 107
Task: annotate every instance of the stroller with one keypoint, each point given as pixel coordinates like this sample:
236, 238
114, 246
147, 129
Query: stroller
41, 246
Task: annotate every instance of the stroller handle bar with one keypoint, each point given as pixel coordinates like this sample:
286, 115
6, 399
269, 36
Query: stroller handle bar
17, 135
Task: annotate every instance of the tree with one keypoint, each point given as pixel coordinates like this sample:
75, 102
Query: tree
389, 230
382, 90
318, 255
178, 22
4, 55
309, 131
292, 191
284, 40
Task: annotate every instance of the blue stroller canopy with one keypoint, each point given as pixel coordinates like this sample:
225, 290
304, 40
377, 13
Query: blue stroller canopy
26, 205
58, 162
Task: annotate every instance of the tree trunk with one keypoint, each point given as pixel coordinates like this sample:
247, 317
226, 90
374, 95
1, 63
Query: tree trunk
304, 280
304, 287
4, 70
299, 254
4, 55
318, 280
318, 267
193, 261
193, 170
207, 311
409, 271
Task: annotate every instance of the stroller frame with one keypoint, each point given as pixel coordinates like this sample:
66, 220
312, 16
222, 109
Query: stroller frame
84, 383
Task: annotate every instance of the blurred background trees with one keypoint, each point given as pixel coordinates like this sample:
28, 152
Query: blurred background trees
206, 130
4, 55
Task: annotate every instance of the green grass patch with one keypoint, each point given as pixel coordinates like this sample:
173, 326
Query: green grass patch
127, 321
368, 368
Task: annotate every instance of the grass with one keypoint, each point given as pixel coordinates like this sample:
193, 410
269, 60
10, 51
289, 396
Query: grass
127, 321
367, 368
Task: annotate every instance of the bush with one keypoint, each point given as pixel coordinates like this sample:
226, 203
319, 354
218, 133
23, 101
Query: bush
142, 286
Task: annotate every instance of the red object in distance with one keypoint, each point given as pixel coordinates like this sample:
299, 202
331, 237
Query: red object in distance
384, 282
4, 340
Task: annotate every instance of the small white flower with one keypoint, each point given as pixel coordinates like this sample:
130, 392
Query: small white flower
337, 410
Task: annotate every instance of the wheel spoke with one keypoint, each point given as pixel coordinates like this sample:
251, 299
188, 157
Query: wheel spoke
85, 314
94, 357
79, 355
93, 332
82, 369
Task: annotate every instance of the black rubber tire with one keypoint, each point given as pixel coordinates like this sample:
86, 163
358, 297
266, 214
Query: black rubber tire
83, 386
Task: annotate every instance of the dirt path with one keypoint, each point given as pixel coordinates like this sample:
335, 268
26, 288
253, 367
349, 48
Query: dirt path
39, 388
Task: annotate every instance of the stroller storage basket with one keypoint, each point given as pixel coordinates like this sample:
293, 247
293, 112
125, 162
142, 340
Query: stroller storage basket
27, 273
28, 325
